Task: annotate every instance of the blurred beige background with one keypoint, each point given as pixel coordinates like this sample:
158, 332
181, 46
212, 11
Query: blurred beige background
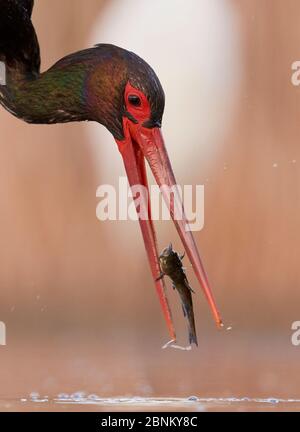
65, 274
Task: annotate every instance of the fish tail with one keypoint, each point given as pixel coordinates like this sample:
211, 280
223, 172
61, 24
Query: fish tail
191, 326
188, 311
192, 335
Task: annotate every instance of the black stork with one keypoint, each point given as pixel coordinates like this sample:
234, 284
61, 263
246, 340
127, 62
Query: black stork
108, 85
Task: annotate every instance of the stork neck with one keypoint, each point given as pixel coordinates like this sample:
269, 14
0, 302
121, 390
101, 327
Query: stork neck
56, 96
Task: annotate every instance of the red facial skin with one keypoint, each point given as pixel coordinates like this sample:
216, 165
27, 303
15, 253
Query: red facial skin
140, 113
142, 143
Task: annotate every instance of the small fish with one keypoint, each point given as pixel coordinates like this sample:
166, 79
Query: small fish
171, 266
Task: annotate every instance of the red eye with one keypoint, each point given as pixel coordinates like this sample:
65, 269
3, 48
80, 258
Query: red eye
136, 103
134, 100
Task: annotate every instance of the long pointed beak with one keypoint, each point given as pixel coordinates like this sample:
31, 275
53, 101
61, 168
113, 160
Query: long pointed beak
140, 143
136, 172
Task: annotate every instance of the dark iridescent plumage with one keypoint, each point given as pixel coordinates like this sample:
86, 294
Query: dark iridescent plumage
19, 47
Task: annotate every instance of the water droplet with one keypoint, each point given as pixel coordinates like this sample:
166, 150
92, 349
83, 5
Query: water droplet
78, 396
137, 399
63, 396
34, 396
93, 397
246, 399
193, 399
275, 165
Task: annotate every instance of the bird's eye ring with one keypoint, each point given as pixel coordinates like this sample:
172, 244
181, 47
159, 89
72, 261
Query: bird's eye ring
134, 100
